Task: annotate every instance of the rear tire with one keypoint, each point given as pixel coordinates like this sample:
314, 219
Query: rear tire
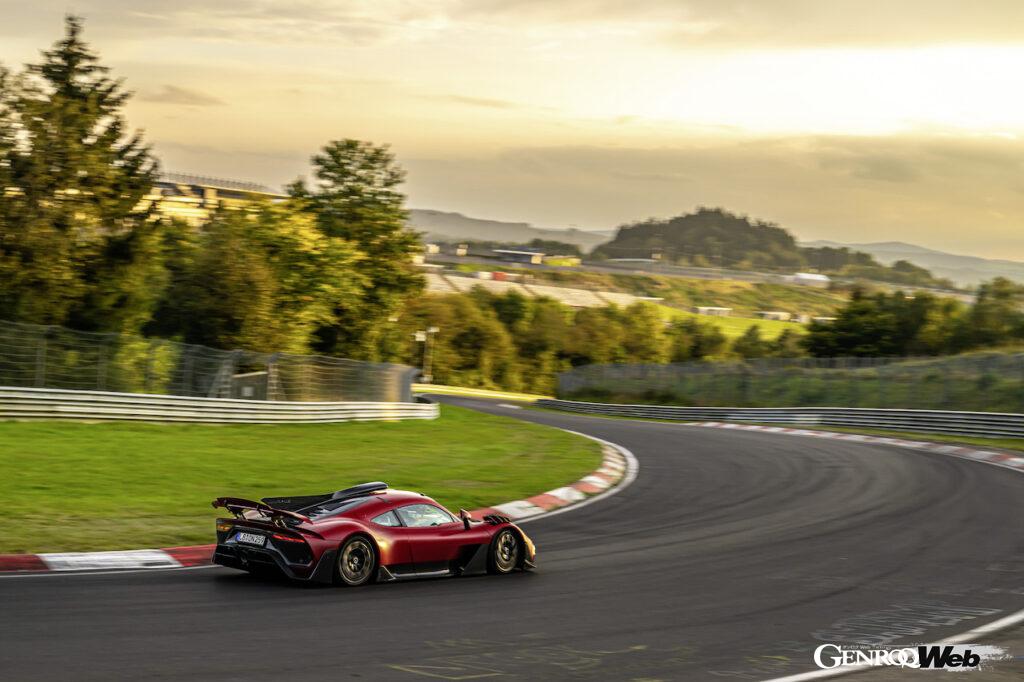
357, 562
506, 547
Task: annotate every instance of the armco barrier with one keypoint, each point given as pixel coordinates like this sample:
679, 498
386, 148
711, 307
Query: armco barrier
44, 403
987, 424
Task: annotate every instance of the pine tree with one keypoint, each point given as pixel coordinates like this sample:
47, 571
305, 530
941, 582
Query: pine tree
356, 198
74, 245
751, 344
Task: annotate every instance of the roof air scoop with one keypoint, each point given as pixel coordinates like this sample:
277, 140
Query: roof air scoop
358, 490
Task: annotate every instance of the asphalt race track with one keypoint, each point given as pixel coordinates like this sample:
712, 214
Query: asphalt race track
731, 556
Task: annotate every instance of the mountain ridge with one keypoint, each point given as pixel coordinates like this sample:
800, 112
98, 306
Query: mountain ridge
964, 270
453, 226
449, 225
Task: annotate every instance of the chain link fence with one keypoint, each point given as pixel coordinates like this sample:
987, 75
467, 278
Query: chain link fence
986, 382
54, 357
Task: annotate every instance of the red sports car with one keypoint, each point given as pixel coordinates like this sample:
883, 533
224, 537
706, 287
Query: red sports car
365, 533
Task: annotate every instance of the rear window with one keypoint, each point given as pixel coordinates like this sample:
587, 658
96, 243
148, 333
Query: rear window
332, 508
386, 519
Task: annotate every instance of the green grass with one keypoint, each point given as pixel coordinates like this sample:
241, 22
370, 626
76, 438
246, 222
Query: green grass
681, 295
745, 298
998, 443
70, 486
733, 327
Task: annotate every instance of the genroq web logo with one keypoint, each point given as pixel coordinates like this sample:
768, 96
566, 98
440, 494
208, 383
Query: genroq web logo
934, 656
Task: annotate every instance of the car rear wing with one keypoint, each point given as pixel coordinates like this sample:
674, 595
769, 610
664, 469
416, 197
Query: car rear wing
238, 506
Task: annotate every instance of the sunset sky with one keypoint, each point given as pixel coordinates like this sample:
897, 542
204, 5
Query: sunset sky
847, 120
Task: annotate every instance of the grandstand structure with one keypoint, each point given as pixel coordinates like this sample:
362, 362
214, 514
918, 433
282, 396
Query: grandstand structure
194, 198
448, 283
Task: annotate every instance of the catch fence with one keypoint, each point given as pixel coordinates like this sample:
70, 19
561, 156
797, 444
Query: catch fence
986, 382
35, 356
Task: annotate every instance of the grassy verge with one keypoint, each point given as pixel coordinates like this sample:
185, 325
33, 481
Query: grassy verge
743, 297
71, 486
998, 443
734, 327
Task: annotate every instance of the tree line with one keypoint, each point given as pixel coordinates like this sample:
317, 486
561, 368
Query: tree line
323, 271
898, 325
516, 343
329, 269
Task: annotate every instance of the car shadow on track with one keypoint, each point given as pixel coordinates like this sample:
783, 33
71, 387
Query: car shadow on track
243, 580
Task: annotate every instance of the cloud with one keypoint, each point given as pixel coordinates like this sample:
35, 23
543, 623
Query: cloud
684, 24
345, 22
351, 22
779, 23
870, 166
848, 23
473, 101
672, 178
172, 94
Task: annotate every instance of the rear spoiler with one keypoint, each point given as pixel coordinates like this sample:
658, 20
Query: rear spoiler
238, 507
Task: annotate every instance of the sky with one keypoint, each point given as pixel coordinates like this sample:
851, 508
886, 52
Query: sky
849, 120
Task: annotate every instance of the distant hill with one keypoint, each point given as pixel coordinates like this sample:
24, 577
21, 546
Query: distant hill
712, 237
964, 270
707, 237
715, 237
445, 226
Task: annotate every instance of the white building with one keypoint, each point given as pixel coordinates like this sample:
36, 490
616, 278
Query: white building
713, 310
779, 315
810, 279
520, 256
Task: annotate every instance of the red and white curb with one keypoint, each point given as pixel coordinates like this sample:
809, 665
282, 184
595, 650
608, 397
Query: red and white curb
1003, 459
170, 557
618, 469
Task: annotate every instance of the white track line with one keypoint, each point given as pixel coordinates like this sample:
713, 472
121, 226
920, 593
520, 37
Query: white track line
971, 636
121, 571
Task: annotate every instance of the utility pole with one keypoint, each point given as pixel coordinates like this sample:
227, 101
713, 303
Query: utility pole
426, 338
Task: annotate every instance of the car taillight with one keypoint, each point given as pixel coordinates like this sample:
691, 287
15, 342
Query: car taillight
286, 538
224, 526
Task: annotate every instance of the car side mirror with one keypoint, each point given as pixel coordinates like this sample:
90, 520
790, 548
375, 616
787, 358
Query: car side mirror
466, 518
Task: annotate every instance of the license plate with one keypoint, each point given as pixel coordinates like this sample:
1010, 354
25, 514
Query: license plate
250, 539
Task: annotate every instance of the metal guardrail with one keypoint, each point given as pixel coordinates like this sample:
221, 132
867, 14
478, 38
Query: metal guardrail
44, 403
985, 424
